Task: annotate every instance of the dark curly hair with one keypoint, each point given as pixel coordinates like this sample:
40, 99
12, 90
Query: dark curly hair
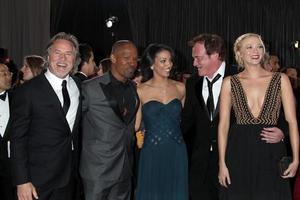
148, 59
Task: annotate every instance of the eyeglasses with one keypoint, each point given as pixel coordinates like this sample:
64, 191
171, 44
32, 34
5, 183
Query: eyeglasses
6, 73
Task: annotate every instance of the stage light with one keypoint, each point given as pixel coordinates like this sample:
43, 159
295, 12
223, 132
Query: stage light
111, 21
296, 44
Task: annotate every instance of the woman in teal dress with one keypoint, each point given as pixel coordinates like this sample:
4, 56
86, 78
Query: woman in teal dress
162, 171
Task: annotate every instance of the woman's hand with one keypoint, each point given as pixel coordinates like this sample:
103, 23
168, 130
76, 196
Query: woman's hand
291, 170
224, 178
139, 139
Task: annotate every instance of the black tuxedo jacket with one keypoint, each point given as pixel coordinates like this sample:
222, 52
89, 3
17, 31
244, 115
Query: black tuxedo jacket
41, 140
200, 131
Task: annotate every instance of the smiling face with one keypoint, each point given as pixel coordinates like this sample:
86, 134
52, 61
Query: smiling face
124, 62
252, 51
206, 65
61, 59
162, 64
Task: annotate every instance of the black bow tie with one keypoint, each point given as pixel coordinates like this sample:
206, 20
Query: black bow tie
3, 96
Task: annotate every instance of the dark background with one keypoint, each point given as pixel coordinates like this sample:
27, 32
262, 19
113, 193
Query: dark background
174, 22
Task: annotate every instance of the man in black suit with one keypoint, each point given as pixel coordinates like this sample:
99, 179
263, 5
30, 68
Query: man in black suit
200, 116
87, 65
6, 188
45, 118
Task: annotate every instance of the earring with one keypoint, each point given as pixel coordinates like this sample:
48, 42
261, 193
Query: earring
152, 67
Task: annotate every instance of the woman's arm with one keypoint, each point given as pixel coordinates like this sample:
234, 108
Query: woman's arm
288, 102
224, 122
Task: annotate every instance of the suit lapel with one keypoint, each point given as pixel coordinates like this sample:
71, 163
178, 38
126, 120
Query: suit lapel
78, 113
228, 72
48, 91
198, 91
108, 92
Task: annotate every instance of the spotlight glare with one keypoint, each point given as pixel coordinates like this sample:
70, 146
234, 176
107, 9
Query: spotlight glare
111, 21
296, 44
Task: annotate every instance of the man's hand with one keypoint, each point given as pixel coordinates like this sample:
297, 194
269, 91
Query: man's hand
26, 191
272, 135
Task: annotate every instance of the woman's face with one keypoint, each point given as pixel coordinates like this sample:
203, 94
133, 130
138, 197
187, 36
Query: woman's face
162, 64
251, 51
27, 73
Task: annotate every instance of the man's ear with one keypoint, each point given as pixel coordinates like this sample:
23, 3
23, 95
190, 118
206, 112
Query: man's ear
113, 58
215, 55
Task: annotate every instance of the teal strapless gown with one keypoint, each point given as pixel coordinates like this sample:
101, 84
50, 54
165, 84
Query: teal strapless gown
163, 164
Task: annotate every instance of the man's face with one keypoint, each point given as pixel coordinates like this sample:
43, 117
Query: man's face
91, 65
274, 63
206, 65
124, 62
5, 78
62, 57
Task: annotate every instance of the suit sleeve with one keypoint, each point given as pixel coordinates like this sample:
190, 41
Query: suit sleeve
20, 115
187, 115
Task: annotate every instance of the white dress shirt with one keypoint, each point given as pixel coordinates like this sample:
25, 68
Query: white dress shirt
216, 86
4, 114
73, 93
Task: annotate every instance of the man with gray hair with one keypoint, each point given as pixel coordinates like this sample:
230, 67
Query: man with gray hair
44, 135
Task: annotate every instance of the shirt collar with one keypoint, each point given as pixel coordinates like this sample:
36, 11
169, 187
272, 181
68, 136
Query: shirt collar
82, 73
220, 71
54, 80
116, 81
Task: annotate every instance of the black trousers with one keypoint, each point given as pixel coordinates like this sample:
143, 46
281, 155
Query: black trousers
7, 190
64, 193
209, 188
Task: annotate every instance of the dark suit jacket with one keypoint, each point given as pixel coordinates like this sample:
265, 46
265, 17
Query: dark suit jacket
196, 125
107, 139
41, 139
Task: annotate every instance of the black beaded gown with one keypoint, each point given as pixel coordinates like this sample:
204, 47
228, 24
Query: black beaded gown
253, 163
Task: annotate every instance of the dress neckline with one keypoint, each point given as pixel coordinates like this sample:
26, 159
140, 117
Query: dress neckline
157, 101
262, 108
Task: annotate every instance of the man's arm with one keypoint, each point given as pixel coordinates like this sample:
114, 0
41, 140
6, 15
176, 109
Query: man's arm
21, 119
276, 134
187, 115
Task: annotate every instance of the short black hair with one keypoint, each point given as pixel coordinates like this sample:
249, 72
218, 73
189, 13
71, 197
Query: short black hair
85, 53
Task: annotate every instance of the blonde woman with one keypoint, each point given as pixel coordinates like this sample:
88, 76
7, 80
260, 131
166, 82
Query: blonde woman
248, 167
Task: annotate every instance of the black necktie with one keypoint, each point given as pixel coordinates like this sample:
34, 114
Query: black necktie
66, 97
3, 96
210, 100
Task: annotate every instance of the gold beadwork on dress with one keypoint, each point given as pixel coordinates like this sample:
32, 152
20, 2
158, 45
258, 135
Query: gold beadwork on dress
270, 110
